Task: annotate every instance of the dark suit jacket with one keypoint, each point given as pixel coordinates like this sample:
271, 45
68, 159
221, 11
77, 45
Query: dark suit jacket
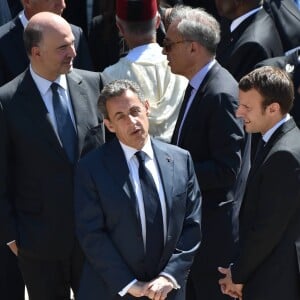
36, 190
286, 17
108, 224
14, 59
214, 137
269, 259
254, 40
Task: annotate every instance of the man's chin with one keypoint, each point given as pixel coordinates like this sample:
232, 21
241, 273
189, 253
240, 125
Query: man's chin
70, 69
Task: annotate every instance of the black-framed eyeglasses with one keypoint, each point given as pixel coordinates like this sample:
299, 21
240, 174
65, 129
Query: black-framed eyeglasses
167, 45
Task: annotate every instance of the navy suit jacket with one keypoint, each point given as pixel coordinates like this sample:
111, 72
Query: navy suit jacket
36, 177
109, 227
269, 260
254, 40
13, 56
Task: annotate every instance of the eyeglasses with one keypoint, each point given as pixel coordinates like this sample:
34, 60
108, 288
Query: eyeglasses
167, 45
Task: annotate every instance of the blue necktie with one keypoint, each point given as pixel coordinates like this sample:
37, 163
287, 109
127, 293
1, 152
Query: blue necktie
65, 128
297, 2
153, 214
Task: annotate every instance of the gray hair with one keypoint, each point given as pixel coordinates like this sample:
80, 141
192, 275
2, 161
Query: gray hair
195, 24
116, 88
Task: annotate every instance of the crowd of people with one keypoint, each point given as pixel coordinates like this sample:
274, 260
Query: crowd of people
150, 149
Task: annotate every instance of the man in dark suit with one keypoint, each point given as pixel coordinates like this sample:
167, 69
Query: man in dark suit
267, 266
13, 57
129, 253
208, 129
286, 16
252, 36
48, 119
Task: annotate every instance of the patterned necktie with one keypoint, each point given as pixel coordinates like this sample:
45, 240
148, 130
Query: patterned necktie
65, 128
178, 126
153, 214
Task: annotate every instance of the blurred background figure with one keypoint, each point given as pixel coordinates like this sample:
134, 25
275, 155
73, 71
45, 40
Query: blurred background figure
246, 43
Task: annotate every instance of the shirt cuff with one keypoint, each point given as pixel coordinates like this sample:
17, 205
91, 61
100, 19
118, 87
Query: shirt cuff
124, 291
10, 242
176, 286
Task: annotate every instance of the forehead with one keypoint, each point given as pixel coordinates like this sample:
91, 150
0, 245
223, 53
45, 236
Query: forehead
172, 29
250, 97
58, 33
123, 102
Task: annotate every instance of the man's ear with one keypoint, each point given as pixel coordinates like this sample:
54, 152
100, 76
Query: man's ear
120, 27
274, 107
158, 20
108, 125
147, 106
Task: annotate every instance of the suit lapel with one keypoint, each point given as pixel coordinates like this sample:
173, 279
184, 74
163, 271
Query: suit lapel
16, 40
287, 126
34, 106
194, 110
80, 103
165, 164
117, 167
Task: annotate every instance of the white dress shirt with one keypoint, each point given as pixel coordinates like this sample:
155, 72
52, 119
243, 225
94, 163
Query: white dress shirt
151, 165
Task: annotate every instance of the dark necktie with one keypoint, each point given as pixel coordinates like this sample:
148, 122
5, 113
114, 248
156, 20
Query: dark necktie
259, 151
153, 215
65, 128
187, 95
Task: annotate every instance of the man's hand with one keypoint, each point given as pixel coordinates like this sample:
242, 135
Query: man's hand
138, 289
159, 288
227, 286
14, 248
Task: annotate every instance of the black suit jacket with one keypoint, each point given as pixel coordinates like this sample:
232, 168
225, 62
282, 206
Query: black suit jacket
269, 259
36, 190
109, 227
13, 56
213, 136
286, 17
254, 40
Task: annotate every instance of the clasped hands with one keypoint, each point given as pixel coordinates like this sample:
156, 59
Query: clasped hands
227, 286
156, 289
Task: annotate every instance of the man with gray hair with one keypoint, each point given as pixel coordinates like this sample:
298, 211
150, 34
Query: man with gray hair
208, 129
145, 64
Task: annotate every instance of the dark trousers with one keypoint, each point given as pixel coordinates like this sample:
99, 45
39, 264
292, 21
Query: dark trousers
52, 279
11, 282
217, 249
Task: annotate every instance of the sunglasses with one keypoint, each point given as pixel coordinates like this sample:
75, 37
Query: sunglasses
167, 45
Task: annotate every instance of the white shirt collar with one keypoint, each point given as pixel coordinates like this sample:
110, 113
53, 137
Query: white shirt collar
130, 152
43, 84
270, 132
240, 19
196, 81
148, 52
23, 18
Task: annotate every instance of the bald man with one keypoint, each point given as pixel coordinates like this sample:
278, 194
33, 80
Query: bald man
13, 58
48, 120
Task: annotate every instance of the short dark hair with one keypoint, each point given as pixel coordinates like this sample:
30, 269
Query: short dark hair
273, 84
32, 36
117, 88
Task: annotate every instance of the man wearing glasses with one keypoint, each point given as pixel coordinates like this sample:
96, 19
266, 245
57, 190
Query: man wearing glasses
208, 128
